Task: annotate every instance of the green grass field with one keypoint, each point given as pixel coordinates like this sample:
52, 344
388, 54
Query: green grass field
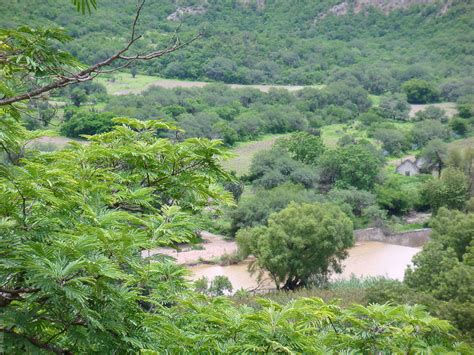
124, 83
244, 153
375, 100
332, 133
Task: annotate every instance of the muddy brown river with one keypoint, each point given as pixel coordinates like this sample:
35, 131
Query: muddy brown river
365, 259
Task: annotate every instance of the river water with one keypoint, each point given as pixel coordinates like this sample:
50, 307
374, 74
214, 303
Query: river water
365, 259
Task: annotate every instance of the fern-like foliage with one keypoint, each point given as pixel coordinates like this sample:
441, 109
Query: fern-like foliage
74, 224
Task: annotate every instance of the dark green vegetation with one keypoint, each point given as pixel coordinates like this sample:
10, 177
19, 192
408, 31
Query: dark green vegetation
76, 223
442, 275
243, 42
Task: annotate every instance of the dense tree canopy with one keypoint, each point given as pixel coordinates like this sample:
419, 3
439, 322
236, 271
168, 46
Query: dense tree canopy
243, 41
445, 267
450, 190
354, 165
420, 91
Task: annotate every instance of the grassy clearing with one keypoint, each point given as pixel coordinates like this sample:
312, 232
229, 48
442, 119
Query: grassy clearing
124, 83
375, 100
406, 227
332, 133
244, 153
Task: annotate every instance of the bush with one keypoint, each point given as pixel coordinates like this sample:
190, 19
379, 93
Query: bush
424, 131
394, 142
87, 123
420, 92
355, 165
396, 197
275, 167
459, 126
302, 146
450, 191
465, 106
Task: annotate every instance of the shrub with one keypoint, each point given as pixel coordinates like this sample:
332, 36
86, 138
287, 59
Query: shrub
420, 91
87, 123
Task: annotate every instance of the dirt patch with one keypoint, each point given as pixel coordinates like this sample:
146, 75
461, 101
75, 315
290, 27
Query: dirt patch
449, 107
214, 246
173, 84
55, 142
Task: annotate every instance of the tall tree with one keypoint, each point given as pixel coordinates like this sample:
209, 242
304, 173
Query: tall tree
301, 243
434, 155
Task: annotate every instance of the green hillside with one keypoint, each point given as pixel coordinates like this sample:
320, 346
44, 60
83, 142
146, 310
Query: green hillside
283, 42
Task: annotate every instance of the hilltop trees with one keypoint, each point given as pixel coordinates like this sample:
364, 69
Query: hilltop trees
301, 243
250, 45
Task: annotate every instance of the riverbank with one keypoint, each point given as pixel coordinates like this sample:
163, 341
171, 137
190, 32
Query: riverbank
366, 259
213, 246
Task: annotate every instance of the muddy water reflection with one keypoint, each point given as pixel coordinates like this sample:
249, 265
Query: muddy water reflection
365, 259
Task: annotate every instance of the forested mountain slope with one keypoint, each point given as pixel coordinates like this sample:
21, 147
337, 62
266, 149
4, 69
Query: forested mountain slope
288, 42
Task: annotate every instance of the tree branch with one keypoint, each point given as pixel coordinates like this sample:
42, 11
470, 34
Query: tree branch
36, 342
17, 291
96, 69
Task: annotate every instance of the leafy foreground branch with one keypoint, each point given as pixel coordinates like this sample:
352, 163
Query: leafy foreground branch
307, 325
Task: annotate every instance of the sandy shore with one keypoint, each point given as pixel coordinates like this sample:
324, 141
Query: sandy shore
213, 247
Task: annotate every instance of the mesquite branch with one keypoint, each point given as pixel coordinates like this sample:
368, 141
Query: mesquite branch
99, 68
